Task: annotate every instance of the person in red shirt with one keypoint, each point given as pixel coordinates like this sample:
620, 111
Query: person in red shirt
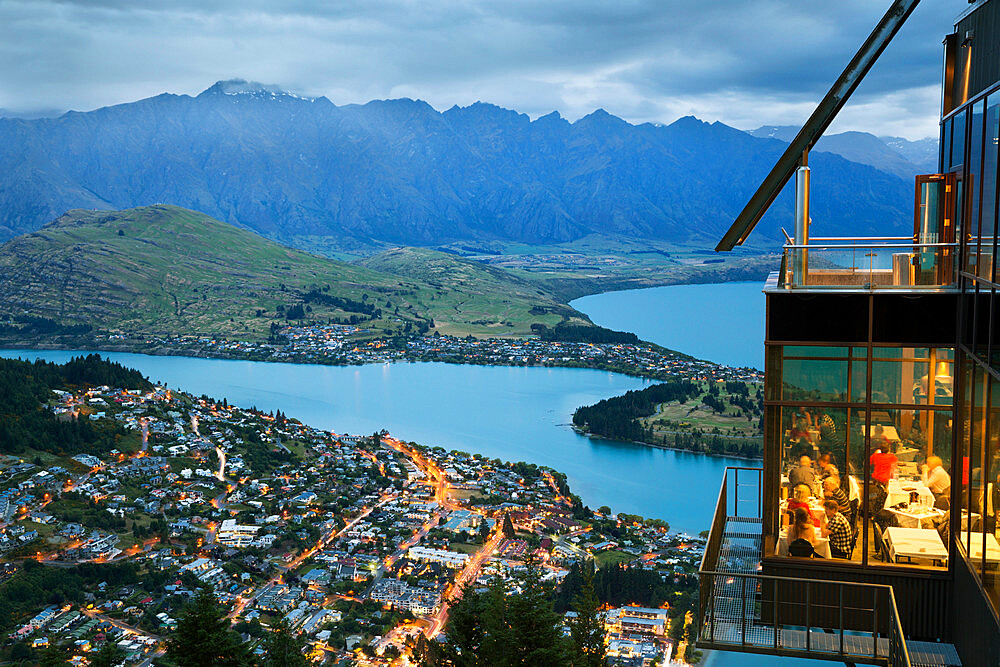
882, 460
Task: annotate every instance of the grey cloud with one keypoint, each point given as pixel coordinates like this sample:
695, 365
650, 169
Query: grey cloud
744, 62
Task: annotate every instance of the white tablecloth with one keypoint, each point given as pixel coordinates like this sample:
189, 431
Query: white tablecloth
897, 494
909, 519
822, 546
976, 547
915, 543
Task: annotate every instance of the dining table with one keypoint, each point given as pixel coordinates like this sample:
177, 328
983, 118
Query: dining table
910, 543
916, 516
976, 541
899, 491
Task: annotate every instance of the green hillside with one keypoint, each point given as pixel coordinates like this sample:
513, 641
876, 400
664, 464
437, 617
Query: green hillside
470, 296
167, 270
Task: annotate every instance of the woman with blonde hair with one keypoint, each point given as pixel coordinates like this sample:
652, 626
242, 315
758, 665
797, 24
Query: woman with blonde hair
802, 535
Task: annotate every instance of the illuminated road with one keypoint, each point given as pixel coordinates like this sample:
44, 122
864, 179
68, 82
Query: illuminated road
92, 613
243, 603
469, 573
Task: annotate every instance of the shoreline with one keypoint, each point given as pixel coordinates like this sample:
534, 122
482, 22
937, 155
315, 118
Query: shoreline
403, 357
596, 436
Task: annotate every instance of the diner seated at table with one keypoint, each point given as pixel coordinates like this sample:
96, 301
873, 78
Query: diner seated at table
802, 473
838, 530
832, 491
800, 498
883, 461
825, 467
935, 477
801, 535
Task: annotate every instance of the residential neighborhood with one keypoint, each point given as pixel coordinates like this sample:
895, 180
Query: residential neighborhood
360, 543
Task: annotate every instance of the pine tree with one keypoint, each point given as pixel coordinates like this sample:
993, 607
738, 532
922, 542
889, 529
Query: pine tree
282, 648
484, 532
587, 630
501, 627
508, 527
204, 639
535, 628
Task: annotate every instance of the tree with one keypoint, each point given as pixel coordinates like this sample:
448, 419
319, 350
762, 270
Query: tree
587, 630
204, 639
282, 648
508, 527
535, 627
498, 627
53, 656
109, 656
605, 510
484, 532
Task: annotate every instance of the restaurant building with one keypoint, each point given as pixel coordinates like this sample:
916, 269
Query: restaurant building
881, 381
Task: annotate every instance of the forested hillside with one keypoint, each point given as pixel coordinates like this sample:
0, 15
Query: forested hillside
26, 424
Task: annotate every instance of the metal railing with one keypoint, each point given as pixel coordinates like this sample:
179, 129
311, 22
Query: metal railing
867, 263
746, 611
746, 507
805, 618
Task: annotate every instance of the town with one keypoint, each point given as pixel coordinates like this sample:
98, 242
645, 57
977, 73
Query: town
359, 543
342, 344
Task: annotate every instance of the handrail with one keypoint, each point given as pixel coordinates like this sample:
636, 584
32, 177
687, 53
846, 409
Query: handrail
861, 238
821, 246
741, 622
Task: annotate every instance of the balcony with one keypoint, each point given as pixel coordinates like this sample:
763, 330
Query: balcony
864, 264
745, 611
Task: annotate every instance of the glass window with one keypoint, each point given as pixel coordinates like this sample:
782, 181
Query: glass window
887, 460
909, 485
958, 139
818, 374
973, 187
918, 376
946, 145
979, 507
989, 179
814, 469
992, 500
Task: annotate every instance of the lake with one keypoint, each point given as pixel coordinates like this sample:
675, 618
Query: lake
512, 413
718, 322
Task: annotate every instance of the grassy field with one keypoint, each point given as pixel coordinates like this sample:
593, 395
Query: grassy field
606, 558
694, 415
167, 270
471, 297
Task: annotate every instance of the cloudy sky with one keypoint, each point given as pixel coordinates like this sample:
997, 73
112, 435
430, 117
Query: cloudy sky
743, 62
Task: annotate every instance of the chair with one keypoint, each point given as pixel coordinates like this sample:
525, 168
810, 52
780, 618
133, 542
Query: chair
801, 548
880, 546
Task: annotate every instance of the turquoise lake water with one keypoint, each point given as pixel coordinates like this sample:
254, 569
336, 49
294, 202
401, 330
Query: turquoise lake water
720, 322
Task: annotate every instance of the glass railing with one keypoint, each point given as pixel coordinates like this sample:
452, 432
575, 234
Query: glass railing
869, 263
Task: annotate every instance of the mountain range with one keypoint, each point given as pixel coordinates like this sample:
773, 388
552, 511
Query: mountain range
895, 155
312, 174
